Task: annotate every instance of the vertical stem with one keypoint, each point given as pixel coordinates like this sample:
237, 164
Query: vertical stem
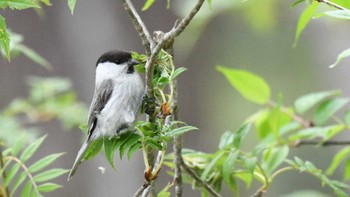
7, 191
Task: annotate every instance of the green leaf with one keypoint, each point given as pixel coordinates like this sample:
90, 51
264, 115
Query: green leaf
340, 57
327, 109
180, 130
31, 54
30, 150
296, 2
337, 159
347, 117
93, 149
49, 174
210, 167
164, 192
27, 189
240, 134
226, 140
347, 170
306, 102
110, 145
84, 128
18, 4
18, 182
273, 157
48, 187
42, 163
177, 72
71, 5
127, 144
341, 14
11, 174
4, 37
228, 170
148, 4
133, 149
304, 19
250, 86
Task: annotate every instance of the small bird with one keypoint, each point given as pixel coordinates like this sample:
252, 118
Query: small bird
116, 101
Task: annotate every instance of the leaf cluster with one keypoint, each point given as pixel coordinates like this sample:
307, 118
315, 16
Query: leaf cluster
27, 180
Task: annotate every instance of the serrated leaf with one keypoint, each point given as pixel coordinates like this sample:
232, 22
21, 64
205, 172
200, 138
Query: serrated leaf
18, 4
340, 57
177, 72
228, 169
250, 86
274, 157
48, 187
337, 159
306, 102
49, 174
94, 149
327, 108
34, 56
43, 162
148, 4
304, 19
71, 5
31, 149
4, 38
180, 130
26, 191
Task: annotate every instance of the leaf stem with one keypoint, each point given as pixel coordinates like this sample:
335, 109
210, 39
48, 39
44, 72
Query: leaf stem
331, 4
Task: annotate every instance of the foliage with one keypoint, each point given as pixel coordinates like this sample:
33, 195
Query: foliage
34, 178
50, 98
11, 42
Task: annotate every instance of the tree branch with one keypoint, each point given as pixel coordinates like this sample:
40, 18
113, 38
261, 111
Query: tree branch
140, 27
166, 39
199, 180
326, 143
141, 189
332, 4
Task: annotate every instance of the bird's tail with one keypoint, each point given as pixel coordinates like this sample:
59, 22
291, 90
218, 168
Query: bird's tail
79, 157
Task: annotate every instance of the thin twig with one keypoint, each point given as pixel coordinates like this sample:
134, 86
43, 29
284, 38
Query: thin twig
258, 193
140, 27
332, 4
167, 37
326, 143
141, 189
199, 180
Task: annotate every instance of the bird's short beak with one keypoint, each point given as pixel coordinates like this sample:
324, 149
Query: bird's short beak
133, 62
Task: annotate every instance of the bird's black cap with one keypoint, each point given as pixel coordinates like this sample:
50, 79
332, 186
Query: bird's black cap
115, 56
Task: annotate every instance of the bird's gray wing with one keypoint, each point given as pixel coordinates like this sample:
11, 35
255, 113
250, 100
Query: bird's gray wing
103, 92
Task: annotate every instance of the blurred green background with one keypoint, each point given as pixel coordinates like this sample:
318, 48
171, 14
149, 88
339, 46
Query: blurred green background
253, 35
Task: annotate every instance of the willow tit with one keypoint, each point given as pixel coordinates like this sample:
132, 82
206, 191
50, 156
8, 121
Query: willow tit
116, 101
